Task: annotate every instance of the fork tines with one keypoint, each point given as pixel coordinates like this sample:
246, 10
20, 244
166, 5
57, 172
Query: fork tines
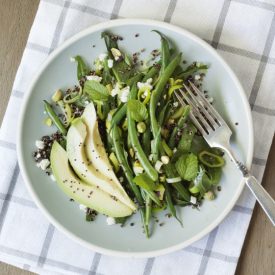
203, 114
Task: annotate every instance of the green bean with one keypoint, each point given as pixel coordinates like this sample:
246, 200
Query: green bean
109, 143
179, 126
148, 210
191, 70
143, 215
182, 190
153, 196
171, 172
124, 164
153, 71
132, 132
134, 79
82, 68
165, 52
150, 170
106, 74
110, 43
156, 94
162, 113
156, 146
146, 139
53, 116
169, 202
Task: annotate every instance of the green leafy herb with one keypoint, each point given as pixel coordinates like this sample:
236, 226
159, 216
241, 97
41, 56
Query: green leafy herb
145, 182
96, 90
82, 68
187, 166
137, 110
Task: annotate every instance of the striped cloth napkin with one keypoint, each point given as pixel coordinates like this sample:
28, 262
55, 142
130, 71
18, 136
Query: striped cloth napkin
242, 31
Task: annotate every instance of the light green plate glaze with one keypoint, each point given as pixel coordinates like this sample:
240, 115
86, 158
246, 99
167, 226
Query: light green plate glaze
59, 72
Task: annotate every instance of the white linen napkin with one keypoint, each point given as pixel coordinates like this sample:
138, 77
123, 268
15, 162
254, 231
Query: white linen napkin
243, 33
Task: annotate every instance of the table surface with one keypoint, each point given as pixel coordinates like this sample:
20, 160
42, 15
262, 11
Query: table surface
16, 18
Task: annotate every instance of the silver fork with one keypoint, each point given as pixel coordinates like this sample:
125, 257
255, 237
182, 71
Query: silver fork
217, 134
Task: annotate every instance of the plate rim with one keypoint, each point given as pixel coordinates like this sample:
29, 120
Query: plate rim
28, 93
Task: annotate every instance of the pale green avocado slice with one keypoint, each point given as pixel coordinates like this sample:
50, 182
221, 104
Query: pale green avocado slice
94, 145
83, 193
85, 168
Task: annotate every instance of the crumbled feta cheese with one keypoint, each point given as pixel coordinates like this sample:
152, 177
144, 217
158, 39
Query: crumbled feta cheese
138, 170
151, 157
72, 59
52, 177
174, 150
38, 155
44, 112
145, 85
176, 104
125, 94
110, 221
115, 90
121, 179
149, 80
165, 159
110, 63
158, 104
197, 77
82, 207
44, 163
94, 77
102, 56
164, 96
39, 144
158, 165
193, 199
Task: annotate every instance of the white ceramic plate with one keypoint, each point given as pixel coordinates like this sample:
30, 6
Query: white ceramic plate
59, 72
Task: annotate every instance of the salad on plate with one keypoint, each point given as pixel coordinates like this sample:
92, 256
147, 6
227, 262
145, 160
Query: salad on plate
124, 144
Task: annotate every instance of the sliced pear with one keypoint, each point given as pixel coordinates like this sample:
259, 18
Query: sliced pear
83, 193
85, 168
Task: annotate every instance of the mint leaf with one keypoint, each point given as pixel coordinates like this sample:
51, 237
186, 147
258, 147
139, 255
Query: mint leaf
82, 68
137, 110
187, 166
96, 91
144, 182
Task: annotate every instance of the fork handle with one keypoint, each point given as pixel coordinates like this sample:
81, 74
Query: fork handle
263, 198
